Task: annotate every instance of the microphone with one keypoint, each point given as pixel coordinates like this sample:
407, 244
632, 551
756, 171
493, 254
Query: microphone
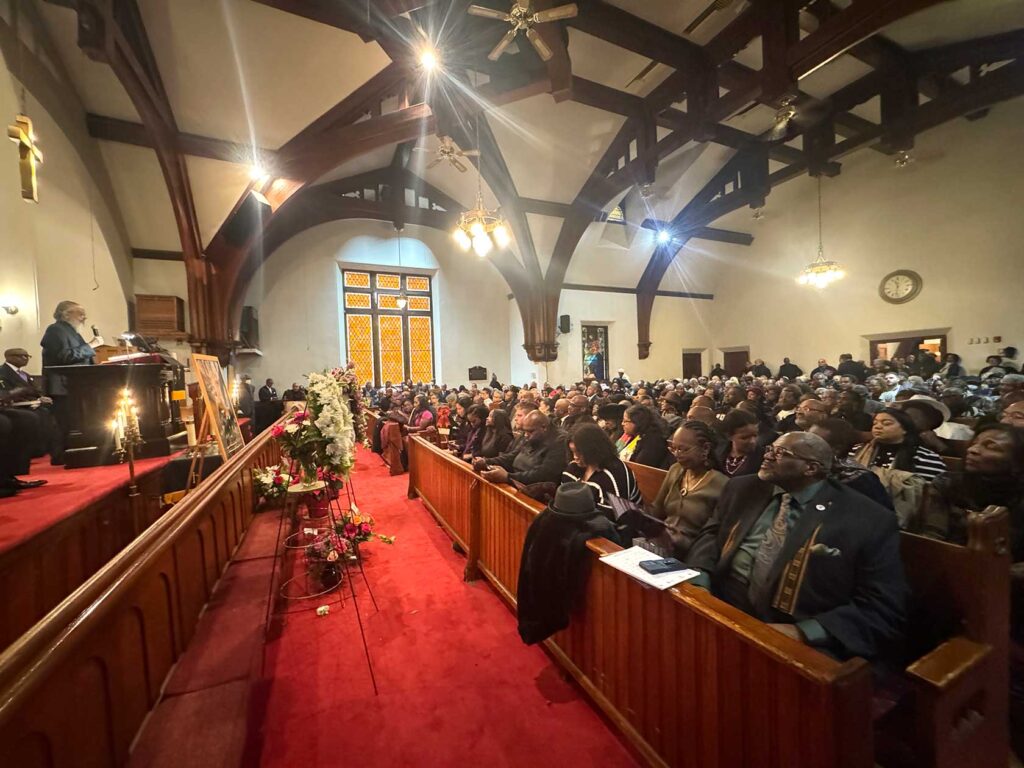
95, 331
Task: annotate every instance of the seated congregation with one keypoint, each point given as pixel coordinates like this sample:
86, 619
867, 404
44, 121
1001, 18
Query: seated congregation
787, 496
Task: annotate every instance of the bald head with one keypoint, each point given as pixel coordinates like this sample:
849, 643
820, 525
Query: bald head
562, 407
796, 460
701, 413
578, 404
535, 427
703, 401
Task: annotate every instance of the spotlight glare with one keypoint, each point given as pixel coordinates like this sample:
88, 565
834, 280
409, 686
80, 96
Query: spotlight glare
258, 174
663, 237
428, 59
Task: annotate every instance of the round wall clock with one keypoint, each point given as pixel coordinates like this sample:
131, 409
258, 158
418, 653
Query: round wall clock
900, 286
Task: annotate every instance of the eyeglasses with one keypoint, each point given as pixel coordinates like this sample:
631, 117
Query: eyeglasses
779, 452
677, 449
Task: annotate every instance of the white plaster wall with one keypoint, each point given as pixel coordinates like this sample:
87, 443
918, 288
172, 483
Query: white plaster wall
676, 324
954, 216
298, 296
164, 278
53, 250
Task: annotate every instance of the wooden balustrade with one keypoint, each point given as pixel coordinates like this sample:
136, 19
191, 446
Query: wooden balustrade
76, 687
690, 680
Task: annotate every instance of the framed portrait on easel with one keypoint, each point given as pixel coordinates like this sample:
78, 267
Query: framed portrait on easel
219, 412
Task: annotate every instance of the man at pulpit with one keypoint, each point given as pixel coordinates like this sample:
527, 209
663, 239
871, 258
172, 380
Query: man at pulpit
63, 344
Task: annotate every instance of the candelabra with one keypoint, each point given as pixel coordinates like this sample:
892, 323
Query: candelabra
125, 429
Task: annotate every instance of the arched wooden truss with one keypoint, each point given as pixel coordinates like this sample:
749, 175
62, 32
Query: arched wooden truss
111, 31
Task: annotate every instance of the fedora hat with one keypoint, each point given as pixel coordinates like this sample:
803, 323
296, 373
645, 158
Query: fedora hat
574, 499
931, 402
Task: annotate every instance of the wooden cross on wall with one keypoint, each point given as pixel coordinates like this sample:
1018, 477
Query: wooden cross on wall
30, 156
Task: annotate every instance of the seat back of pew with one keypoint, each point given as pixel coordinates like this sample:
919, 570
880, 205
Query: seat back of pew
958, 636
961, 594
680, 673
75, 688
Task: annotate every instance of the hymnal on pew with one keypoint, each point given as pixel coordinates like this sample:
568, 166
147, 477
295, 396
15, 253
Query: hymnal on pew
628, 561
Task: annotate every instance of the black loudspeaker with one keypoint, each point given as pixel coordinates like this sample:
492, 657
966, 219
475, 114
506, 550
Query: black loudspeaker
247, 220
563, 324
249, 330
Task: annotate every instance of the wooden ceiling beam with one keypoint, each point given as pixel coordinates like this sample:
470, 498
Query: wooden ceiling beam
127, 132
623, 29
839, 33
119, 40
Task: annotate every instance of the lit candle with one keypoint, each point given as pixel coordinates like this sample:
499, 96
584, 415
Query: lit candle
115, 428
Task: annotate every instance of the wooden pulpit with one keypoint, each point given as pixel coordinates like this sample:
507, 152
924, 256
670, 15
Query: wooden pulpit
93, 391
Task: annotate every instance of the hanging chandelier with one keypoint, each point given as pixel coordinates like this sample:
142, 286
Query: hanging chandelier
481, 228
821, 272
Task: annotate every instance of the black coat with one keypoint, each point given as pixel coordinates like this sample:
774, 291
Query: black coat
63, 345
554, 568
852, 368
790, 371
652, 451
10, 380
852, 579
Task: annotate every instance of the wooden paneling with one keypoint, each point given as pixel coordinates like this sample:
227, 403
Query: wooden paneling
690, 680
37, 574
684, 676
75, 688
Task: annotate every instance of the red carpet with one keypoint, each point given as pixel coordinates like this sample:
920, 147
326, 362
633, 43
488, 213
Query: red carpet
454, 684
67, 492
451, 683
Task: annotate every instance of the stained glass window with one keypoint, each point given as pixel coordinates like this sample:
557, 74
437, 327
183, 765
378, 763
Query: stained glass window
357, 279
392, 348
359, 333
357, 301
388, 343
421, 354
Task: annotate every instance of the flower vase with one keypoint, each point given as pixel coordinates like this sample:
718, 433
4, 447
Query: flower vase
317, 508
330, 575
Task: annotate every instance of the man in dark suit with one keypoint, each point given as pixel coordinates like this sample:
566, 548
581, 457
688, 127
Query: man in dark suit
267, 391
847, 367
540, 458
19, 386
816, 560
63, 344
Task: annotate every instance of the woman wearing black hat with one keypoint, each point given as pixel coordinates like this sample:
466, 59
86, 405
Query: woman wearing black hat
895, 445
609, 418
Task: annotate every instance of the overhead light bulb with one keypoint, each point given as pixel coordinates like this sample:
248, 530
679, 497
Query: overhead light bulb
501, 236
663, 237
258, 174
482, 245
401, 301
428, 59
476, 228
462, 239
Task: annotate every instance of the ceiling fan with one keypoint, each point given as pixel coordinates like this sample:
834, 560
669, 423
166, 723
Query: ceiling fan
448, 151
523, 19
791, 119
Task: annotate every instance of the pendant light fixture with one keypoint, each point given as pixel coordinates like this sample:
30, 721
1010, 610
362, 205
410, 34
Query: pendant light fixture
480, 228
402, 301
821, 273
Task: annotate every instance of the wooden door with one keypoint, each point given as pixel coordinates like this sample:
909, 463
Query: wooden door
736, 362
691, 364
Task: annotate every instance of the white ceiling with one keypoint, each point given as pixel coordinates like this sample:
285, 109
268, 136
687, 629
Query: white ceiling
241, 71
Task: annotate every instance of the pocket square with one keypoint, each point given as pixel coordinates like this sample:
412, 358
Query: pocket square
823, 549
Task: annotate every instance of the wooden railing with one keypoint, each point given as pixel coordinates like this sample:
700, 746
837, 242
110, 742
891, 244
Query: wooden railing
655, 662
76, 687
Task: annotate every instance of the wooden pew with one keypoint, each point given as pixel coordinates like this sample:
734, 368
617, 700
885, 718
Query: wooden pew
957, 713
75, 688
685, 677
